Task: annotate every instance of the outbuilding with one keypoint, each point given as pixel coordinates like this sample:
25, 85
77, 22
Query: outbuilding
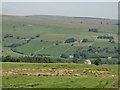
87, 62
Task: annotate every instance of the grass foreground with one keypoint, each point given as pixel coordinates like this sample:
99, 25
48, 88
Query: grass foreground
58, 75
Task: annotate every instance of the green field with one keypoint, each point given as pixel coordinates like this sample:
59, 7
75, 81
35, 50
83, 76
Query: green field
40, 75
52, 30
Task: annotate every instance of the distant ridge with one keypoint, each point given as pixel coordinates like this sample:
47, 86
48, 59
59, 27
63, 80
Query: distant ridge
94, 18
68, 19
60, 16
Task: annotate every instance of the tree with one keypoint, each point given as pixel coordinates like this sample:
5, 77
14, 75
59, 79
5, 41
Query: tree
98, 61
41, 40
56, 44
8, 58
75, 60
72, 45
93, 30
85, 40
70, 40
64, 56
18, 37
38, 35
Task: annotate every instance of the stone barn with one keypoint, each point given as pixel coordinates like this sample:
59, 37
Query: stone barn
87, 62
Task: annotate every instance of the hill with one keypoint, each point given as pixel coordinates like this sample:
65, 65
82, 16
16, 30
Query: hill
46, 35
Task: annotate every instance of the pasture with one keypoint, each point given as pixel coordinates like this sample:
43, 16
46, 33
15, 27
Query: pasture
41, 75
52, 32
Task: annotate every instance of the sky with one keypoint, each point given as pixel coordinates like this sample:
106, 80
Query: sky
73, 9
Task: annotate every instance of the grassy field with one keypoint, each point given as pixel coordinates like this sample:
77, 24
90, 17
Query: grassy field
54, 29
39, 75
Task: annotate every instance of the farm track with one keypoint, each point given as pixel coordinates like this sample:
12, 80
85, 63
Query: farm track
67, 49
42, 49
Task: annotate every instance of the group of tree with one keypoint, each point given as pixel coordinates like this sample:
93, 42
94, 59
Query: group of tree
70, 40
19, 44
30, 59
35, 59
43, 59
15, 44
8, 36
37, 36
85, 40
99, 61
96, 52
93, 30
105, 37
111, 40
64, 56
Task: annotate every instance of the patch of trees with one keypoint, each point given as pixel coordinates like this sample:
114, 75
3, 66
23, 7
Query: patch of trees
33, 59
64, 56
96, 52
15, 45
41, 59
111, 40
70, 40
8, 36
106, 50
93, 30
29, 59
18, 37
105, 37
84, 54
76, 60
99, 61
20, 44
38, 35
85, 40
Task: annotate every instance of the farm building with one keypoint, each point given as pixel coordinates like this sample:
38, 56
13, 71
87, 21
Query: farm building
70, 56
76, 42
109, 57
27, 39
87, 62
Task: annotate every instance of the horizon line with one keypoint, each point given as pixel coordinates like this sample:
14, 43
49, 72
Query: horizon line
62, 16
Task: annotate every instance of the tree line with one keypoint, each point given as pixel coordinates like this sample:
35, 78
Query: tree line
41, 59
105, 37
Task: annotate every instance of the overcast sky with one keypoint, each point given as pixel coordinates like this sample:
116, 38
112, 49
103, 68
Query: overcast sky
78, 9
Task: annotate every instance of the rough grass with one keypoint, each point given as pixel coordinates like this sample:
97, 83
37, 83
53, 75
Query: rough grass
29, 81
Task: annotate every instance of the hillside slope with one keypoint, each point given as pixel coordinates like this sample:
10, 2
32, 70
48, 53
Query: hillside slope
45, 35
